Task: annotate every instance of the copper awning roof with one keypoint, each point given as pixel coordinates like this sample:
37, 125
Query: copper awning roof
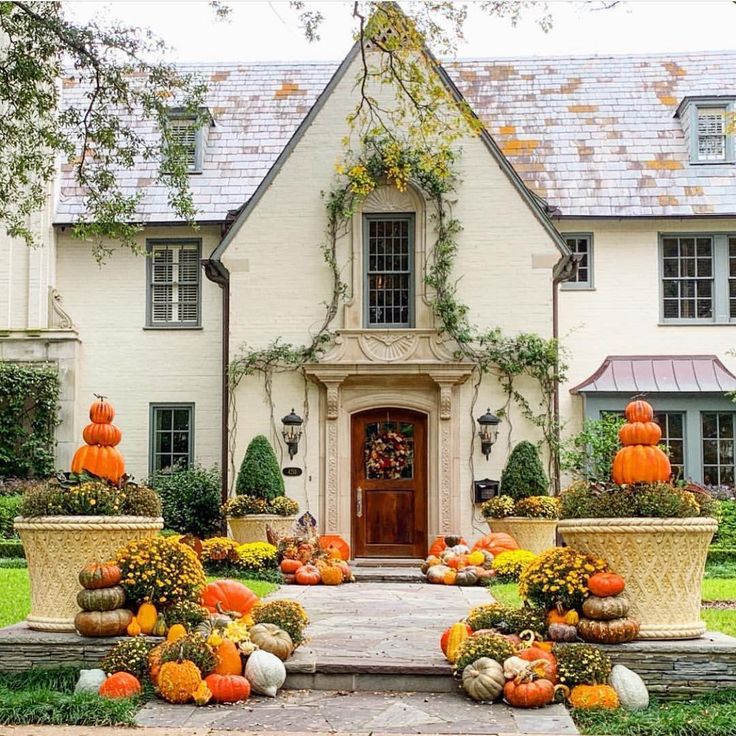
634, 374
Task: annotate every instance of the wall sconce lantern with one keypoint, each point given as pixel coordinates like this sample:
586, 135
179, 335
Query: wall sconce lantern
292, 432
488, 431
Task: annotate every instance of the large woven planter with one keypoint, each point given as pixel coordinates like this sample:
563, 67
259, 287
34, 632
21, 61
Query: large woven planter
662, 561
252, 528
58, 547
536, 535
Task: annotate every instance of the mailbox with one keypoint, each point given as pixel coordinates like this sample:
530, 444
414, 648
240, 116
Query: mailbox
485, 489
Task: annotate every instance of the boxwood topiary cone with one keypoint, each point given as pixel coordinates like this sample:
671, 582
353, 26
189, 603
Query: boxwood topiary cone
524, 475
259, 474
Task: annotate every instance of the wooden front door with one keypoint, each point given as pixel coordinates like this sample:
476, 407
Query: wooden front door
389, 483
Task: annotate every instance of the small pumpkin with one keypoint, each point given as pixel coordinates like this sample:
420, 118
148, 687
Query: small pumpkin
605, 609
147, 616
483, 680
441, 543
120, 685
331, 575
559, 615
526, 690
436, 574
133, 628
99, 575
265, 672
476, 558
640, 433
456, 636
228, 688
228, 659
513, 666
290, 566
176, 632
101, 599
639, 411
606, 584
101, 411
585, 697
103, 623
630, 688
270, 638
178, 681
202, 695
159, 628
307, 575
154, 662
334, 543
562, 632
107, 435
466, 577
537, 654
230, 595
449, 577
615, 631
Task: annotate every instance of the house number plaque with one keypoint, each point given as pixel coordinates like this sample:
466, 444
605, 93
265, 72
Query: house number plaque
292, 472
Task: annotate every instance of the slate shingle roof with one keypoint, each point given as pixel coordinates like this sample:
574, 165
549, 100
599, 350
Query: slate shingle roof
594, 136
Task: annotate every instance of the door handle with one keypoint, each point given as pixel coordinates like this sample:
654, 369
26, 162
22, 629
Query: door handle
359, 502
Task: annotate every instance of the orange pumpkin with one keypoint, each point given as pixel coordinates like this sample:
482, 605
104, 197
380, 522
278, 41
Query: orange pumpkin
335, 542
107, 435
524, 691
230, 595
120, 685
228, 659
228, 688
439, 545
308, 575
449, 577
640, 433
101, 411
289, 567
545, 663
104, 462
99, 575
331, 574
640, 464
458, 562
496, 542
639, 410
606, 584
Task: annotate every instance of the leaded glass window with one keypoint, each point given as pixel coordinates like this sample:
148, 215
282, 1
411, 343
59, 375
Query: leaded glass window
389, 265
687, 277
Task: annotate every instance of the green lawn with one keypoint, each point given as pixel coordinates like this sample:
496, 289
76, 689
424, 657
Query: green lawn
15, 594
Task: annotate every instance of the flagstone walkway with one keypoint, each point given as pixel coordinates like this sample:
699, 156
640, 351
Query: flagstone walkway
372, 665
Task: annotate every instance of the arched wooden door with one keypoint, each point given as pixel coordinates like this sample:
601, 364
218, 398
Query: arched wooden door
389, 483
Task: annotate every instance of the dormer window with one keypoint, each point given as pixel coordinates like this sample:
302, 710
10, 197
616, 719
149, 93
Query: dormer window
189, 136
708, 127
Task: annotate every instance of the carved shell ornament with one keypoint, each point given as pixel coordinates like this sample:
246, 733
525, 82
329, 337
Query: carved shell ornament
388, 347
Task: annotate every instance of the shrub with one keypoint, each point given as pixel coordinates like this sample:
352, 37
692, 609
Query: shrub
524, 475
510, 564
581, 664
286, 614
9, 509
726, 515
473, 648
129, 655
284, 506
188, 613
141, 501
259, 474
659, 500
498, 507
589, 454
505, 619
538, 507
29, 413
191, 499
160, 570
559, 575
11, 549
257, 555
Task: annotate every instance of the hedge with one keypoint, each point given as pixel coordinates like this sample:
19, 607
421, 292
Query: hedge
11, 548
722, 554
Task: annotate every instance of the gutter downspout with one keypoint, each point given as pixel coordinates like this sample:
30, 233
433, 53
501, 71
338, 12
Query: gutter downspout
217, 273
564, 269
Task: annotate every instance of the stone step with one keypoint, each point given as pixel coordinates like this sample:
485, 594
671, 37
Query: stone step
370, 562
388, 575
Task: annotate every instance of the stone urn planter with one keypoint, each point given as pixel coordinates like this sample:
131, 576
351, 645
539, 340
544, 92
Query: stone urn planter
58, 547
536, 535
662, 561
252, 528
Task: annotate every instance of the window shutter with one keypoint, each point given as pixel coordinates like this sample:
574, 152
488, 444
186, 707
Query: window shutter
188, 283
711, 134
162, 290
185, 136
175, 284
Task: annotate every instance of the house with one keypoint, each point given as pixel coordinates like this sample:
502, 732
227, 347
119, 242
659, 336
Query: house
625, 162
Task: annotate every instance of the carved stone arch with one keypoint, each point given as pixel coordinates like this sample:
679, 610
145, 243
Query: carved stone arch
387, 198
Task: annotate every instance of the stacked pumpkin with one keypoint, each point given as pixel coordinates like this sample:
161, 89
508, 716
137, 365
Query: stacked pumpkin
221, 659
452, 562
312, 563
99, 455
102, 600
605, 612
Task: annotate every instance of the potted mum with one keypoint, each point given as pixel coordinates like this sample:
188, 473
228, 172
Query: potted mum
65, 526
652, 532
260, 502
524, 509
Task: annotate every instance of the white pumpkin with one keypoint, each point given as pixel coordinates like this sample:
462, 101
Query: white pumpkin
265, 672
513, 666
630, 688
483, 680
90, 681
460, 549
